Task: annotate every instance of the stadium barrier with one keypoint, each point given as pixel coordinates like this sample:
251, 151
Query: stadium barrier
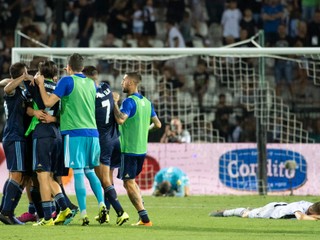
216, 169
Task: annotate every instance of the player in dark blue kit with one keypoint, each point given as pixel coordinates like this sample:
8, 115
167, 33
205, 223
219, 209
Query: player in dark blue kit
14, 143
47, 148
109, 143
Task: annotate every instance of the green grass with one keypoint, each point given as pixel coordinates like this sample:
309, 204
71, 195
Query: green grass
176, 218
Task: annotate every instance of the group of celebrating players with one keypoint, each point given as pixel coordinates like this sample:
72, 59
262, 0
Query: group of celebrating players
76, 123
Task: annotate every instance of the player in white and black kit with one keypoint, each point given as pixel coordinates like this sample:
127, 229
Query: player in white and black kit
110, 156
301, 210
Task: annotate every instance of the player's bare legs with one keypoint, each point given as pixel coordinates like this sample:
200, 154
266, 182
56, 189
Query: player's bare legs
133, 192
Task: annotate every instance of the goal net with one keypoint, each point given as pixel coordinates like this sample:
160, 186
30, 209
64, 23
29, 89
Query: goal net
245, 75
233, 71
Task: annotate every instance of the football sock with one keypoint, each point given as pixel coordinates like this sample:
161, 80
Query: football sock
31, 208
54, 207
47, 209
36, 199
12, 192
95, 184
17, 198
69, 204
4, 193
233, 212
61, 201
107, 203
143, 214
111, 194
80, 188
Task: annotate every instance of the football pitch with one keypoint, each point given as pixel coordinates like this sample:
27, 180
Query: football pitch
175, 218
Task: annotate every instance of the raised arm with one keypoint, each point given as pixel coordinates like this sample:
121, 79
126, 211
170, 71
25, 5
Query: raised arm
5, 81
12, 85
48, 100
119, 116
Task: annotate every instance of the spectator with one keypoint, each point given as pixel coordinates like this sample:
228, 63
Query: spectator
53, 37
254, 6
185, 29
34, 33
283, 68
304, 91
236, 133
309, 8
222, 102
40, 10
314, 30
171, 182
172, 79
201, 82
174, 133
272, 14
137, 21
10, 14
222, 124
143, 42
214, 10
5, 55
175, 38
109, 41
248, 23
230, 21
118, 19
149, 20
85, 22
292, 19
302, 34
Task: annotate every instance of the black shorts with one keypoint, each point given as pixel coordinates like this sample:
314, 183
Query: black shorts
47, 154
15, 155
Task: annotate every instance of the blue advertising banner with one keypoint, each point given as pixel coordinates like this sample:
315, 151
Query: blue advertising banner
286, 169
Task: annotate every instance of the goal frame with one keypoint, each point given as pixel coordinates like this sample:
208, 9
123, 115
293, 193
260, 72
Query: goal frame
147, 54
160, 52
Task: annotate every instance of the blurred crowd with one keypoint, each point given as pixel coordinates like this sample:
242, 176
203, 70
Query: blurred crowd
174, 23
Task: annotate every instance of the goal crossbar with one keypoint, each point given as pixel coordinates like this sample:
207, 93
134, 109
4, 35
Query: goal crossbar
160, 53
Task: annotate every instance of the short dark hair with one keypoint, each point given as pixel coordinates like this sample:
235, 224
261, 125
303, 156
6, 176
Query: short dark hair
48, 69
315, 208
17, 69
135, 76
76, 62
90, 71
164, 187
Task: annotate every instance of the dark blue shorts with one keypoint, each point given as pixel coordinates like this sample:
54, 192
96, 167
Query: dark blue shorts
131, 166
47, 154
110, 153
61, 170
15, 155
28, 156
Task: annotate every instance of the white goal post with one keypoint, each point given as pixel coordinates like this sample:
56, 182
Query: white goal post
247, 82
155, 53
231, 67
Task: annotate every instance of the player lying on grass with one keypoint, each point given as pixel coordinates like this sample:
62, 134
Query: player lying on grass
301, 210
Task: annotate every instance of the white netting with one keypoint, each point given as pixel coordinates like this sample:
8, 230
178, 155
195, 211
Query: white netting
234, 71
